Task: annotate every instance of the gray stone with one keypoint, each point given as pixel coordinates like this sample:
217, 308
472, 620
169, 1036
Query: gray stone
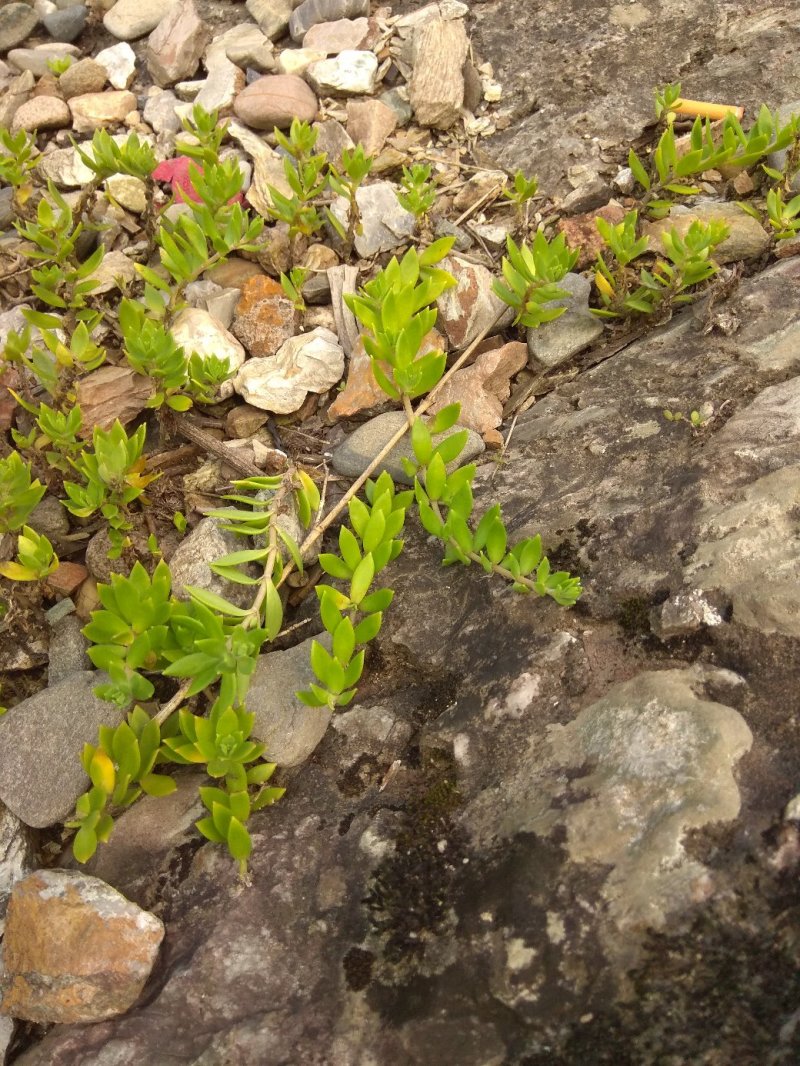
246, 46
290, 729
17, 859
17, 21
159, 111
576, 329
7, 1027
50, 518
747, 238
386, 225
147, 838
394, 99
190, 564
67, 23
41, 740
358, 450
310, 12
272, 16
36, 59
68, 648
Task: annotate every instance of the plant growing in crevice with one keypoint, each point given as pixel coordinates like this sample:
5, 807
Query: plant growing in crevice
20, 492
356, 165
709, 148
417, 193
687, 263
532, 272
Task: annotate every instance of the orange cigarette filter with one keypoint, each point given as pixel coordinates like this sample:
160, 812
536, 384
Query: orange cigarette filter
705, 109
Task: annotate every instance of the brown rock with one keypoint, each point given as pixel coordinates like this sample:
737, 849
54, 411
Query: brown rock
362, 392
436, 90
15, 96
244, 420
85, 76
94, 111
582, 234
483, 388
264, 317
369, 123
47, 85
275, 100
176, 45
75, 950
42, 113
335, 37
67, 578
112, 392
234, 273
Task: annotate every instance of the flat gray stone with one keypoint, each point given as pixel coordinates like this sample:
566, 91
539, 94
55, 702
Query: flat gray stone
576, 329
67, 650
41, 740
357, 451
290, 730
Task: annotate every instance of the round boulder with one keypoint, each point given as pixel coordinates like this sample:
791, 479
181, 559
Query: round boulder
275, 100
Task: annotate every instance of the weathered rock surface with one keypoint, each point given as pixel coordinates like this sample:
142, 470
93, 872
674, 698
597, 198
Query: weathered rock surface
264, 317
436, 91
385, 224
470, 307
16, 22
482, 388
74, 949
350, 73
16, 859
311, 12
41, 740
129, 19
175, 46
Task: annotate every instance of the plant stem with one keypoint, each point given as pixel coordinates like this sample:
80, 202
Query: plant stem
174, 703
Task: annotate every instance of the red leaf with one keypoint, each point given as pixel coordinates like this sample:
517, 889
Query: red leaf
176, 173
